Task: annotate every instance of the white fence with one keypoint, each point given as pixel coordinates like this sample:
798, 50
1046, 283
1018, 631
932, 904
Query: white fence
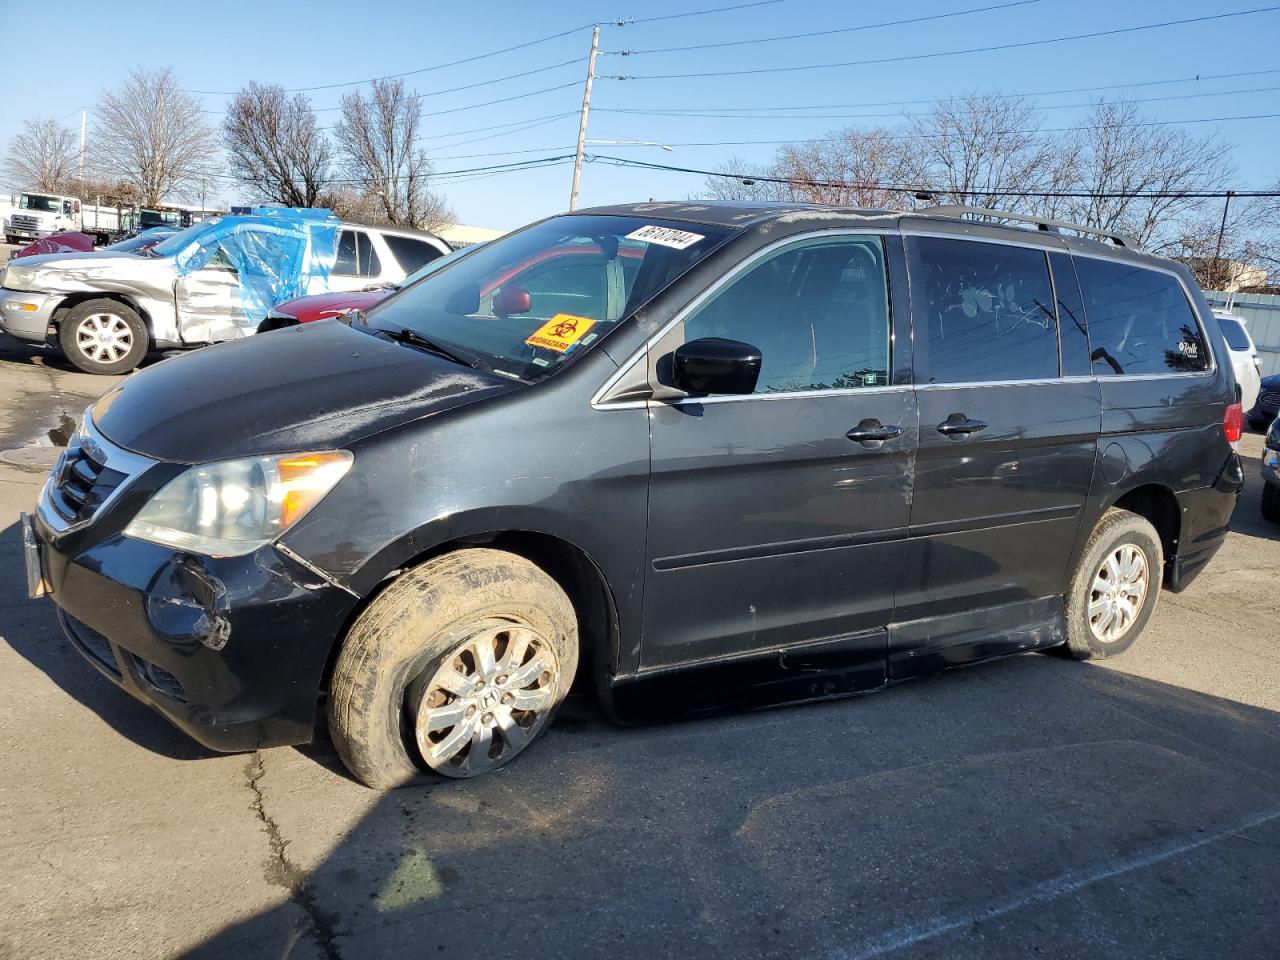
1262, 313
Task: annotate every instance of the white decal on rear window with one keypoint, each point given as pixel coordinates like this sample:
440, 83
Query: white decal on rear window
665, 236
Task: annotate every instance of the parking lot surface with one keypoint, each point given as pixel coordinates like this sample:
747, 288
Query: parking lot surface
1029, 807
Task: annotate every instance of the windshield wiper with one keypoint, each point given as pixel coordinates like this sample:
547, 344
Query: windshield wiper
412, 338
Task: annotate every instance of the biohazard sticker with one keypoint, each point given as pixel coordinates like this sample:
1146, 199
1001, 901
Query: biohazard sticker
561, 332
665, 237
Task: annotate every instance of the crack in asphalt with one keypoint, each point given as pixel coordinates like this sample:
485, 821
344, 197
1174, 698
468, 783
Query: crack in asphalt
282, 872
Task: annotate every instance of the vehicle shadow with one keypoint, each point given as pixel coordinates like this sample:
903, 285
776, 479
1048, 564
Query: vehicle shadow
30, 628
939, 818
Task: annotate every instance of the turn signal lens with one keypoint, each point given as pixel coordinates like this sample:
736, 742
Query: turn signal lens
1233, 423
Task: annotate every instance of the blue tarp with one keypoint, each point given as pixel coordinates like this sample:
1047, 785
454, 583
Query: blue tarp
279, 253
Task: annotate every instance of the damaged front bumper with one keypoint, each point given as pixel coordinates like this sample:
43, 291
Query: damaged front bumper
27, 315
232, 651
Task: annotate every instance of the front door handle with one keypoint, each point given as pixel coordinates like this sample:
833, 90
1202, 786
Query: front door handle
958, 425
871, 432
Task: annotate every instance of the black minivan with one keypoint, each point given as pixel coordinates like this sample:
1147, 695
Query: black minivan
698, 455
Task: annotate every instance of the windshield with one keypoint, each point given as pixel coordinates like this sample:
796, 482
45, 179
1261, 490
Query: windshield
175, 244
33, 201
147, 238
1234, 333
527, 302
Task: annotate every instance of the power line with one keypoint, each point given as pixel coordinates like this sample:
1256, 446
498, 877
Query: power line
905, 188
627, 21
696, 111
925, 113
1117, 31
497, 126
829, 32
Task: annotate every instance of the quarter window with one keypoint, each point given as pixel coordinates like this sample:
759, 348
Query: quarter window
410, 253
817, 311
986, 312
1139, 320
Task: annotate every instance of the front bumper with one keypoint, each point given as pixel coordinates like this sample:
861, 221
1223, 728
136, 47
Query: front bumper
1271, 465
27, 315
233, 651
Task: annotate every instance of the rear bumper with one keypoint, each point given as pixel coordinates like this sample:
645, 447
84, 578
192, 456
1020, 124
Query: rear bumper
1206, 519
231, 651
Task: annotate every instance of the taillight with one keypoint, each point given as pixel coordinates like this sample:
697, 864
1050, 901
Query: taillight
1233, 423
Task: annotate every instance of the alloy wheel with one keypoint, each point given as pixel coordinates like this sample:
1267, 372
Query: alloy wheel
1118, 593
104, 337
488, 699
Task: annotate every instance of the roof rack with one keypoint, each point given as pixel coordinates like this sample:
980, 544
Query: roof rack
1041, 223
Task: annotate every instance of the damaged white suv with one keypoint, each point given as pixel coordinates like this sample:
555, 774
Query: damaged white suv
211, 282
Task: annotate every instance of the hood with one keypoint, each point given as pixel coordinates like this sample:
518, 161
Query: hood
322, 306
97, 270
314, 387
1272, 382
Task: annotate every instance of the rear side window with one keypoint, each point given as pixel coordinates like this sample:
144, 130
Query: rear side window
1233, 333
818, 312
410, 253
1140, 321
356, 256
986, 312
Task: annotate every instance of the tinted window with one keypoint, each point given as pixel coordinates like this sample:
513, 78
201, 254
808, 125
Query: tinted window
1072, 331
987, 312
817, 311
1233, 333
1139, 320
410, 253
356, 256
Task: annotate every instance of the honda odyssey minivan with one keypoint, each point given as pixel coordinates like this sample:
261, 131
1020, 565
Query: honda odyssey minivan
723, 455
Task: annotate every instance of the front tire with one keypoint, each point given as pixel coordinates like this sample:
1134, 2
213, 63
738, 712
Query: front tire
455, 669
1271, 502
1115, 587
103, 336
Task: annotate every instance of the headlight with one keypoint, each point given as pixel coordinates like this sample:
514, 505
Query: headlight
233, 507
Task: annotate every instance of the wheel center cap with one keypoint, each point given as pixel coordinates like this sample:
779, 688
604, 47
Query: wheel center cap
488, 700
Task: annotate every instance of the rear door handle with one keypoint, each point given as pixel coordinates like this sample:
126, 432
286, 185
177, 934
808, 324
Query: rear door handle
872, 432
958, 425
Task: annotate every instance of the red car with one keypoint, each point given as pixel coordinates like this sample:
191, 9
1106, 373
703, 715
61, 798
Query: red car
525, 288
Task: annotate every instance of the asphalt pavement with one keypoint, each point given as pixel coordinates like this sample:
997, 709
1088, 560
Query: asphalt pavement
1029, 807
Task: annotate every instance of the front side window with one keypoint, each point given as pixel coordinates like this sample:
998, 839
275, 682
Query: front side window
817, 311
1140, 321
528, 302
985, 312
356, 256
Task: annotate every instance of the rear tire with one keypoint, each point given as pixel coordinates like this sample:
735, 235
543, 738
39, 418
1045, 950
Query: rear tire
1115, 586
454, 670
103, 336
1271, 502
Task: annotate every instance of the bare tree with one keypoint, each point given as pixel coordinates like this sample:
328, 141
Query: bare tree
43, 156
983, 151
379, 137
152, 135
1121, 154
847, 167
273, 142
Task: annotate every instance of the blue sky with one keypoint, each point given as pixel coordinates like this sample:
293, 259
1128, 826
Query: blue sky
223, 46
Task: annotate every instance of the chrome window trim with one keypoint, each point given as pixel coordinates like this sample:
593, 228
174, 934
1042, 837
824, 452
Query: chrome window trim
597, 401
113, 456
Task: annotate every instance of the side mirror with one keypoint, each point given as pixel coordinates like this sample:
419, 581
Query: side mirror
715, 365
511, 300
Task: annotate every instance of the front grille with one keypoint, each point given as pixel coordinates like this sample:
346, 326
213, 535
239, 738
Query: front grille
1269, 398
26, 222
82, 484
160, 679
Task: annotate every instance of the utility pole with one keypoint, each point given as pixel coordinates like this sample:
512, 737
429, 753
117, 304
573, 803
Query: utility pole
83, 118
582, 124
1217, 257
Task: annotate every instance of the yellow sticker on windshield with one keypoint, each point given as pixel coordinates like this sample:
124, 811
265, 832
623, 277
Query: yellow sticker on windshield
561, 332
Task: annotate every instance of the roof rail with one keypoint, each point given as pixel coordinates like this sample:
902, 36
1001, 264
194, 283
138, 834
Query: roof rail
1041, 223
